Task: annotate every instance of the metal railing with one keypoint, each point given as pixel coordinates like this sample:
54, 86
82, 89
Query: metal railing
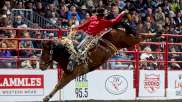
30, 17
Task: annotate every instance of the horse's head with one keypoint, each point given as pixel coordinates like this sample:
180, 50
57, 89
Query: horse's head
47, 54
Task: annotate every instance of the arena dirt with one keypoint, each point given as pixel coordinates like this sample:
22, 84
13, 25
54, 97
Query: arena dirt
125, 101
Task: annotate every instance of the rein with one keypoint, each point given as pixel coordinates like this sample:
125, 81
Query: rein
110, 45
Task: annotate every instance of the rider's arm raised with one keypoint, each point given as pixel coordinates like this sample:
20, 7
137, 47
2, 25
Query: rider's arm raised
119, 17
85, 24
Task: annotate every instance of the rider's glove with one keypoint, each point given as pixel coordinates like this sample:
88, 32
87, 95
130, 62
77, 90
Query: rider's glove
126, 11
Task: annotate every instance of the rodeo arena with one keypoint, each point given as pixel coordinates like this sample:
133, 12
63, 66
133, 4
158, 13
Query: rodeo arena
90, 50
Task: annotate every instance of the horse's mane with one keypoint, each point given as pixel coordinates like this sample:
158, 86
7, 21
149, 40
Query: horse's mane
60, 52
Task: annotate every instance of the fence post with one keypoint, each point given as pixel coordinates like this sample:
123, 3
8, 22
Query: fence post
18, 49
59, 34
136, 70
166, 63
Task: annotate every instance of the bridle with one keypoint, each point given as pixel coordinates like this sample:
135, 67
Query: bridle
50, 58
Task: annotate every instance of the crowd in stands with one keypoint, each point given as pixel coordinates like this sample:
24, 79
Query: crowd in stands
147, 16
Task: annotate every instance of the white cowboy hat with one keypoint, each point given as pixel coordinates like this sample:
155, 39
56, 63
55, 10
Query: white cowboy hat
83, 7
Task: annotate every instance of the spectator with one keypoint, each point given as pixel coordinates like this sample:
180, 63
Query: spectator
51, 9
26, 44
73, 11
129, 6
140, 28
150, 14
29, 4
63, 16
178, 19
118, 64
166, 7
8, 6
19, 5
121, 4
160, 17
90, 4
5, 54
83, 11
30, 64
40, 9
73, 22
53, 18
37, 35
146, 56
18, 21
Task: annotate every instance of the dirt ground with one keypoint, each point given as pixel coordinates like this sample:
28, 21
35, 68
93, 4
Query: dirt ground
125, 101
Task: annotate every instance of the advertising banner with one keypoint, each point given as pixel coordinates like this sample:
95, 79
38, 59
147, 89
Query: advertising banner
151, 83
101, 85
174, 84
26, 85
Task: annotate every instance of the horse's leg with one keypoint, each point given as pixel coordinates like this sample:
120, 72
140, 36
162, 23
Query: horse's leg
66, 78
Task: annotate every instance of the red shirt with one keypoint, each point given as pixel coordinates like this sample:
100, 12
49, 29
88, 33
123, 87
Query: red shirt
97, 24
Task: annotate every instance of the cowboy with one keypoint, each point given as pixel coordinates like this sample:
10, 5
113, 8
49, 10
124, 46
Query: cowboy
93, 28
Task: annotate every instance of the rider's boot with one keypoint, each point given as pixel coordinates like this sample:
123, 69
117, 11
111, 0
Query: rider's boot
81, 54
73, 60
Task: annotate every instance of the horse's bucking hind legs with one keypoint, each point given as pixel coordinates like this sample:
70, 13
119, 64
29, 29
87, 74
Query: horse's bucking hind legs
66, 78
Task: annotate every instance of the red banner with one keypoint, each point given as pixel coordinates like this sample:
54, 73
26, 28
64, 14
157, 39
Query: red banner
21, 81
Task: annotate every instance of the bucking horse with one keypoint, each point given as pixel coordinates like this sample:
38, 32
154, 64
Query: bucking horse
107, 46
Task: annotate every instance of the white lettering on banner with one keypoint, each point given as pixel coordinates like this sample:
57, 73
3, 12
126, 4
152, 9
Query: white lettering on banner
26, 85
21, 82
151, 83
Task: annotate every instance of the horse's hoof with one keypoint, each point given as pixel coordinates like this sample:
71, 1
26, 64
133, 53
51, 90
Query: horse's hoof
46, 99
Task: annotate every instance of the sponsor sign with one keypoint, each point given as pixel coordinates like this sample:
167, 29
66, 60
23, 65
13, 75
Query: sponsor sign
174, 84
81, 86
116, 84
151, 83
26, 85
101, 85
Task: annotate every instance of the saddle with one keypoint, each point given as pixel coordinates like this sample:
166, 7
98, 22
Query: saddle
89, 45
81, 56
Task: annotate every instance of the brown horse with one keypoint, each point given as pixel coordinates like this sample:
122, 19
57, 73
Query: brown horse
107, 46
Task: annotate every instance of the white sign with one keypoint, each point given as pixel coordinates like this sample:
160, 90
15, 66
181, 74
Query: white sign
26, 85
151, 83
101, 85
174, 84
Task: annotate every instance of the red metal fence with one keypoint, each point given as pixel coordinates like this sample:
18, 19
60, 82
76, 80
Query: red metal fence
136, 51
